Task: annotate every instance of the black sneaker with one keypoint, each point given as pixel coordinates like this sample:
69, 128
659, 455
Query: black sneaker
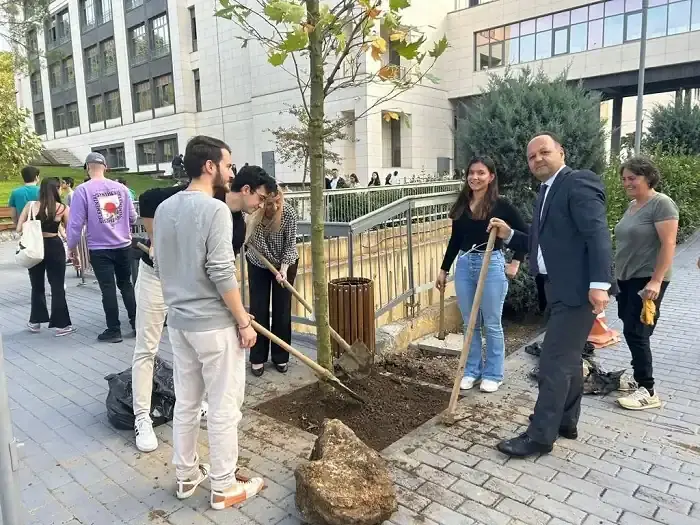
110, 336
282, 368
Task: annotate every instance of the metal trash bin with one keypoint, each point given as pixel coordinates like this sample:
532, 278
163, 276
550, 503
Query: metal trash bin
351, 311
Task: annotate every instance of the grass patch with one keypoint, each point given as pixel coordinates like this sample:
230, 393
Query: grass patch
136, 181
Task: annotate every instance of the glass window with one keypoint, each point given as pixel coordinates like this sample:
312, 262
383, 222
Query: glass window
109, 57
63, 27
35, 82
193, 29
579, 36
544, 45
633, 29
95, 109
159, 34
512, 31
87, 13
39, 124
55, 78
197, 90
113, 106
482, 57
142, 96
73, 119
527, 48
614, 29
527, 27
32, 43
695, 18
496, 54
579, 15
654, 3
59, 119
105, 11
482, 38
138, 44
497, 34
561, 19
595, 11
119, 157
614, 7
513, 51
544, 23
561, 41
679, 17
656, 21
68, 72
633, 5
595, 34
92, 63
147, 153
164, 90
168, 149
131, 4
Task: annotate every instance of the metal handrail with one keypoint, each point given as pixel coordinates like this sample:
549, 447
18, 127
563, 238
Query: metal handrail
372, 189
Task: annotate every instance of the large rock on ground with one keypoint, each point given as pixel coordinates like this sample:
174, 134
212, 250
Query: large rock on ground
345, 482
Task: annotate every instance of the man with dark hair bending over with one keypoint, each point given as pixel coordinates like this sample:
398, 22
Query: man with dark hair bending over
208, 326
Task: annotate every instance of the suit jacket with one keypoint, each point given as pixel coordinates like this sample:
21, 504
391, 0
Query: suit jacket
573, 235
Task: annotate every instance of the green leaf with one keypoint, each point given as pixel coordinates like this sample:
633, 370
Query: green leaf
224, 13
288, 12
395, 5
295, 41
277, 59
408, 51
225, 3
341, 38
439, 48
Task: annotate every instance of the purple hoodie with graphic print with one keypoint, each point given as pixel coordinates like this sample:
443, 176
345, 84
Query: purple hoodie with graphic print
104, 206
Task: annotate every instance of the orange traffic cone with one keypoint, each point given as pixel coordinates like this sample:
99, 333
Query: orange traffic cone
601, 335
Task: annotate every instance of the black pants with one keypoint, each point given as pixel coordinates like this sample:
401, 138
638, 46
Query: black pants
110, 266
560, 378
637, 334
54, 267
262, 284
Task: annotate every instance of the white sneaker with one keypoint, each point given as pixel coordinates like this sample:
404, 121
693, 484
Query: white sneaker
146, 440
34, 327
467, 383
236, 494
489, 386
640, 399
204, 411
186, 487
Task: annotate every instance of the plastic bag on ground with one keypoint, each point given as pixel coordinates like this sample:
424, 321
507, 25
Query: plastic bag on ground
119, 402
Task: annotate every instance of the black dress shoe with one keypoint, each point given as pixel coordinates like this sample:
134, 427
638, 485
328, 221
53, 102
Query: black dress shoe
565, 432
523, 446
257, 372
282, 368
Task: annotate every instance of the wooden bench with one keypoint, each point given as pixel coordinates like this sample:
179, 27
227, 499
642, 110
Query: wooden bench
5, 225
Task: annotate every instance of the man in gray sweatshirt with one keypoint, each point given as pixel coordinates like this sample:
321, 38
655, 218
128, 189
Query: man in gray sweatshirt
208, 326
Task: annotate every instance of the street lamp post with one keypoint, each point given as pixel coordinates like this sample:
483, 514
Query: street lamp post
640, 81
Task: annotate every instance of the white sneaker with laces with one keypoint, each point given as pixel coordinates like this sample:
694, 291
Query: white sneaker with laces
203, 413
467, 383
489, 386
186, 487
34, 327
146, 440
236, 494
640, 399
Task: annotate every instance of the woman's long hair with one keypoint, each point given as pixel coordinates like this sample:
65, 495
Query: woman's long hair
49, 199
269, 216
484, 207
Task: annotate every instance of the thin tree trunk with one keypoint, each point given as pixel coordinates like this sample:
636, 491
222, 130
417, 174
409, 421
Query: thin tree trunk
318, 262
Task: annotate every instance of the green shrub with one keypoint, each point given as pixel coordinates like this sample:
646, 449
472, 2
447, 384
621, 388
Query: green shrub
674, 127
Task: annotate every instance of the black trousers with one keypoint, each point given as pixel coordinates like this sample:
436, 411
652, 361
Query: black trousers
54, 268
560, 378
637, 334
261, 285
113, 270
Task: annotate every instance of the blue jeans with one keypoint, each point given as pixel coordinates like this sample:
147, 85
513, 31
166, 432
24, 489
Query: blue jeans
495, 289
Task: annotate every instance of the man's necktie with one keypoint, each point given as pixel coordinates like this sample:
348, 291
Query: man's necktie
535, 230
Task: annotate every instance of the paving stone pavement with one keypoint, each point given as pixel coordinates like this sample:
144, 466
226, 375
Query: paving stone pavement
630, 468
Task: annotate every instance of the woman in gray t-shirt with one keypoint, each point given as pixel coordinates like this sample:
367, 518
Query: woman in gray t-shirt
645, 241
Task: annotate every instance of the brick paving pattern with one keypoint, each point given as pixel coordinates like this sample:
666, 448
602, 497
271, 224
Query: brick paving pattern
630, 468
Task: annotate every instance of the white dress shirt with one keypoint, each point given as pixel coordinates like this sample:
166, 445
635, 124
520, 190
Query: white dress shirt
540, 258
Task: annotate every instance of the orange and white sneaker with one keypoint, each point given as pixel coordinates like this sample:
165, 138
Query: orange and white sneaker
186, 487
236, 494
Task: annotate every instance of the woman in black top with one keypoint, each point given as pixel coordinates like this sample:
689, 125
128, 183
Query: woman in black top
374, 180
52, 214
477, 203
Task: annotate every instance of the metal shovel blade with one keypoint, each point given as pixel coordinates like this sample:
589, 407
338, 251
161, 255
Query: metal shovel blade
357, 361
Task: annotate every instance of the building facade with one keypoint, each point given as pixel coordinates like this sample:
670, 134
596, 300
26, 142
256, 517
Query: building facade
135, 79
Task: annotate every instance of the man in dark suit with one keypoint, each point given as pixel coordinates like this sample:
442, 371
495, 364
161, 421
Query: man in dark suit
570, 248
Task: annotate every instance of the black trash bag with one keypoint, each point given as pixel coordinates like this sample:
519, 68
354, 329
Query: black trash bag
534, 349
120, 402
597, 381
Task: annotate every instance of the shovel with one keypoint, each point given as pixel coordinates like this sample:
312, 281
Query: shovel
449, 416
321, 372
357, 359
441, 328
